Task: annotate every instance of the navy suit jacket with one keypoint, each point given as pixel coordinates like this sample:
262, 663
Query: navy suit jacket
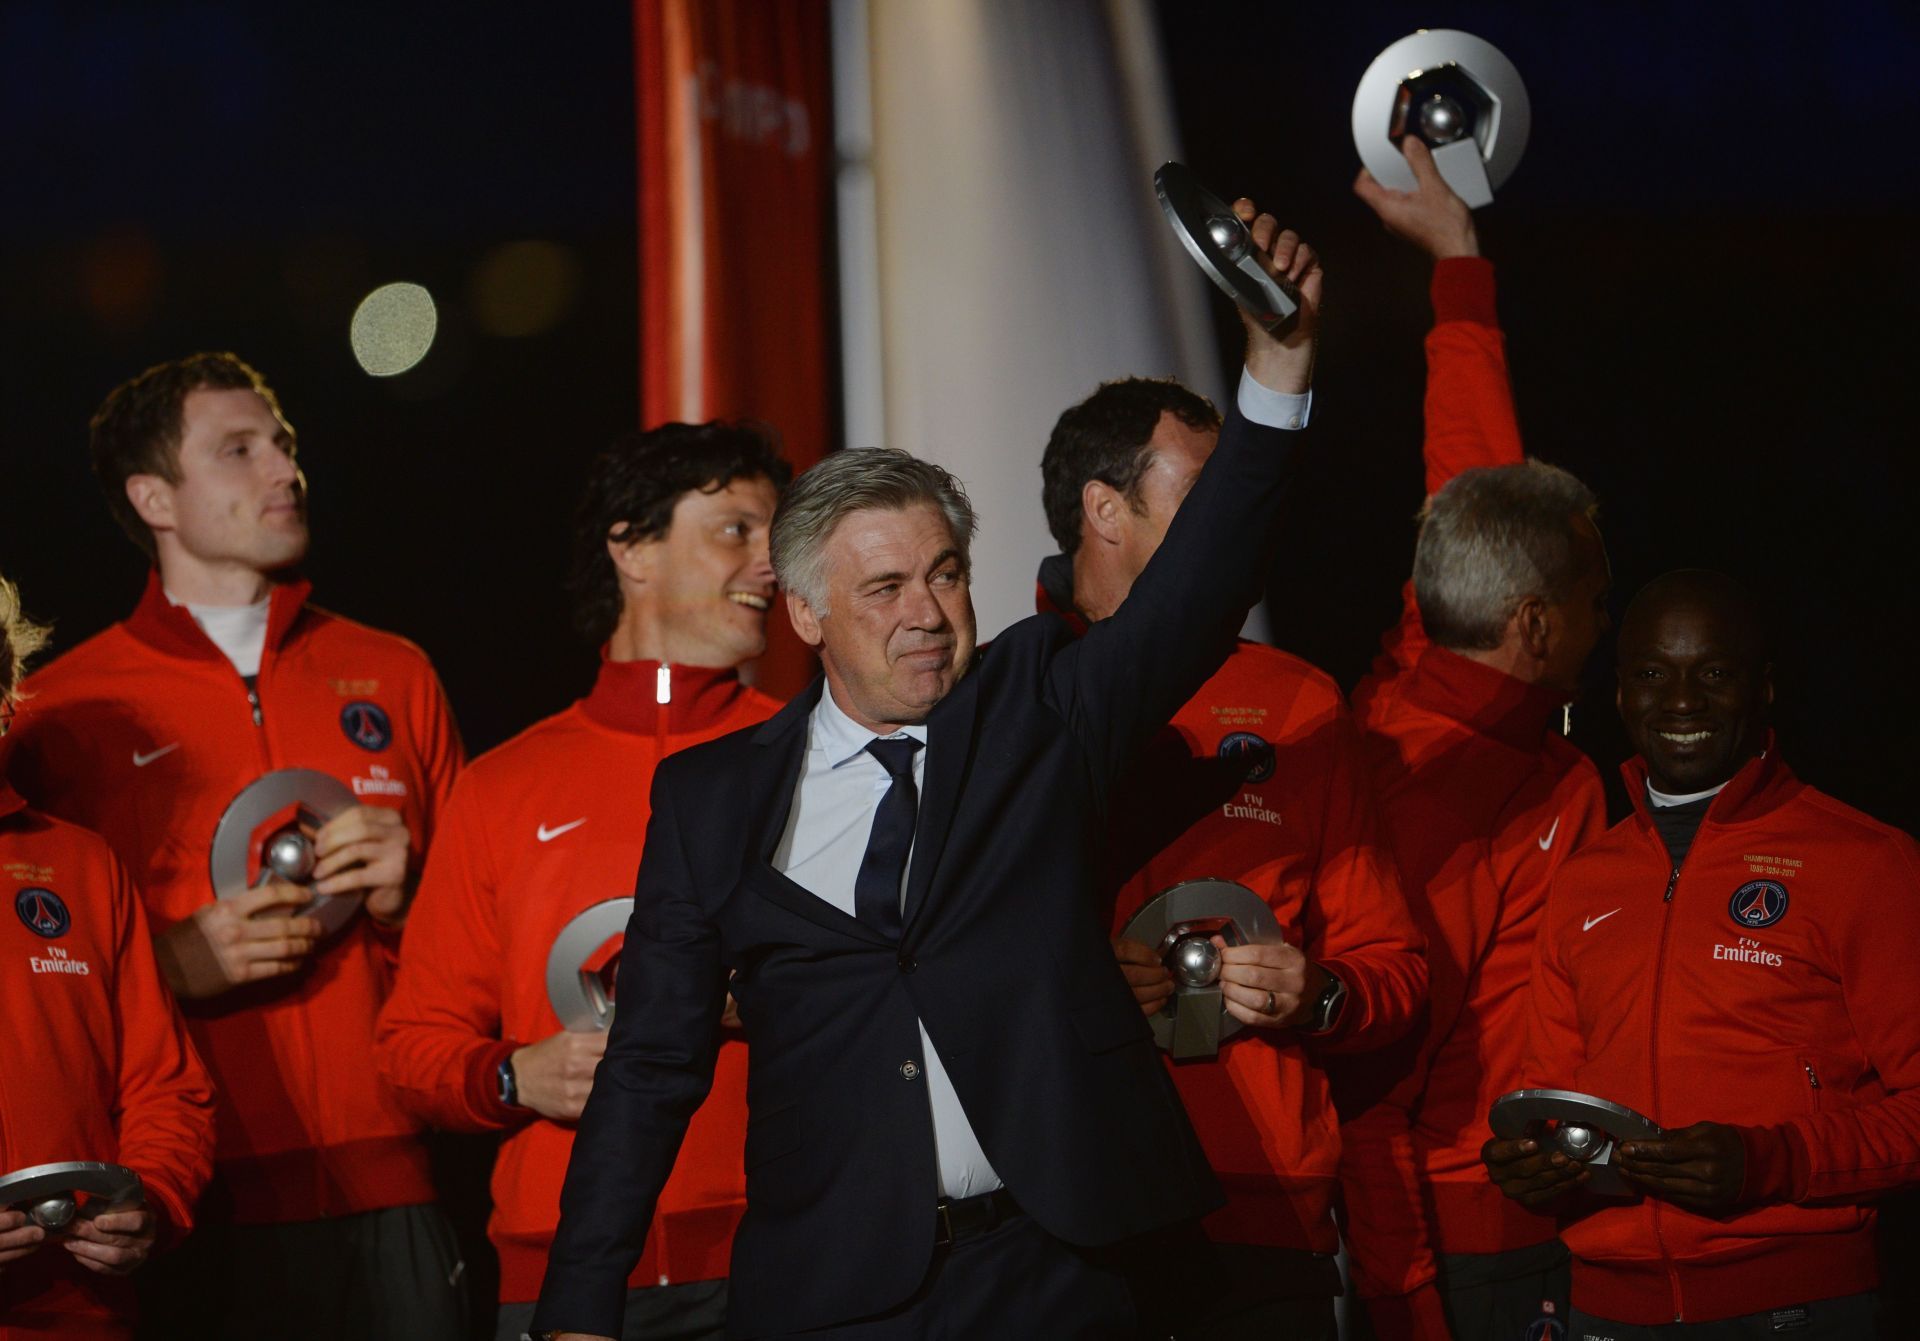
1004, 957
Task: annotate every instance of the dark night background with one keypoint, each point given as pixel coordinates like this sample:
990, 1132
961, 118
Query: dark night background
1707, 265
1706, 261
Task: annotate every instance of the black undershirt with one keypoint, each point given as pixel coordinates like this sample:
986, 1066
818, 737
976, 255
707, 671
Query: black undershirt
1678, 824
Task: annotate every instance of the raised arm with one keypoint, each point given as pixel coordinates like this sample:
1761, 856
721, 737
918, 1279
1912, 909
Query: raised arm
1131, 672
1469, 414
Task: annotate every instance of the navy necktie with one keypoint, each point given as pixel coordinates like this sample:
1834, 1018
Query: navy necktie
876, 890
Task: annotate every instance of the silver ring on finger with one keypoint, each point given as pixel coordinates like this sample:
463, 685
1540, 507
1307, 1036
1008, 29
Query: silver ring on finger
1273, 1006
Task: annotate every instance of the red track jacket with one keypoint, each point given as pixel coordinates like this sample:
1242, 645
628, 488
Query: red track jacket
1482, 799
1768, 983
538, 829
145, 734
97, 1065
1300, 830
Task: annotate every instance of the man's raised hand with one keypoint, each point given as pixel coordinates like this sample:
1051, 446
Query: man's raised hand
1430, 216
1284, 364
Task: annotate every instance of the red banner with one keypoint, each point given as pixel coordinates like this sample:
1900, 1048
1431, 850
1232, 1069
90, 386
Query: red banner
735, 238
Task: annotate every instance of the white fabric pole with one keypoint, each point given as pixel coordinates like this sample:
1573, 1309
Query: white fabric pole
1021, 254
862, 362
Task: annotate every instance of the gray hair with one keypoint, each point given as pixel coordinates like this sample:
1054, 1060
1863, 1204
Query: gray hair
853, 481
1489, 539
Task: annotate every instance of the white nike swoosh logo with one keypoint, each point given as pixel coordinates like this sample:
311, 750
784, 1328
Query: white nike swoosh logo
547, 835
1547, 842
1593, 922
142, 760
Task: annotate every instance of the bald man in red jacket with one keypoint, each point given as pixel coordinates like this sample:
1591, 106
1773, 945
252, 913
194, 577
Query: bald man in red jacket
1734, 961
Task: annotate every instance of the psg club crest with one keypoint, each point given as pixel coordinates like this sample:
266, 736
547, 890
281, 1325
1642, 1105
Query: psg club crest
1254, 753
366, 725
1758, 903
44, 912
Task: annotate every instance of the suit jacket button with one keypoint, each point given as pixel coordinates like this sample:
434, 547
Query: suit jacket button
909, 1069
906, 963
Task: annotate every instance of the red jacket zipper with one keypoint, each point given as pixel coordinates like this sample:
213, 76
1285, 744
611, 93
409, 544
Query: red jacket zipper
1653, 1064
308, 1047
663, 706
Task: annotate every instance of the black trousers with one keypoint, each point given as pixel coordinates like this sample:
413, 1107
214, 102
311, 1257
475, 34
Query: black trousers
389, 1275
1500, 1296
1187, 1288
694, 1311
1854, 1317
1013, 1282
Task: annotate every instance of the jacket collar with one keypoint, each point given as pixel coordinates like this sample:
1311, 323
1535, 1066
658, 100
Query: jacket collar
170, 628
626, 696
950, 729
1053, 592
1490, 701
11, 802
1762, 785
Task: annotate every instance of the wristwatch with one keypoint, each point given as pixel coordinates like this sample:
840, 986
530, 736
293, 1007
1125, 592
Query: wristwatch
509, 1086
1326, 1006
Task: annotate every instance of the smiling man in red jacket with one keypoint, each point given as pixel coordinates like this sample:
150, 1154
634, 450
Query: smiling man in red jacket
1258, 779
98, 1066
1734, 961
319, 1221
671, 577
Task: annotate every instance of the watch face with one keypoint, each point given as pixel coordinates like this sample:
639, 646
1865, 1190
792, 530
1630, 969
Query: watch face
1327, 1009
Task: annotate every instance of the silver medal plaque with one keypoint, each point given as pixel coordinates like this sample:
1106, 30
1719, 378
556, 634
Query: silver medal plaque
1581, 1126
1179, 923
51, 1194
578, 975
268, 831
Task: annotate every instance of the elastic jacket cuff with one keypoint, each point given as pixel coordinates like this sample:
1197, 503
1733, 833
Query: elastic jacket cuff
483, 1085
1463, 290
1777, 1164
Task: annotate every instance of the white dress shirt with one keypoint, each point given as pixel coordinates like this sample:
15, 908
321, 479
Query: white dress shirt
833, 807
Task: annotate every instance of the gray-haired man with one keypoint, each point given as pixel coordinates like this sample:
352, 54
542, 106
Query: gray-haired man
1482, 799
955, 1107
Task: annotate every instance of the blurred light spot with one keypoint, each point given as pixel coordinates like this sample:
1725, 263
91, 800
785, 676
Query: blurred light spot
120, 280
393, 328
524, 288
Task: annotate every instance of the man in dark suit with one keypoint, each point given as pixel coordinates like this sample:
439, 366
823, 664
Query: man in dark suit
955, 1106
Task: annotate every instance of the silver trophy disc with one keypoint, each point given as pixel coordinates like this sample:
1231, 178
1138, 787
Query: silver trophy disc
1214, 236
50, 1193
1585, 1128
1180, 924
1459, 94
577, 978
267, 832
